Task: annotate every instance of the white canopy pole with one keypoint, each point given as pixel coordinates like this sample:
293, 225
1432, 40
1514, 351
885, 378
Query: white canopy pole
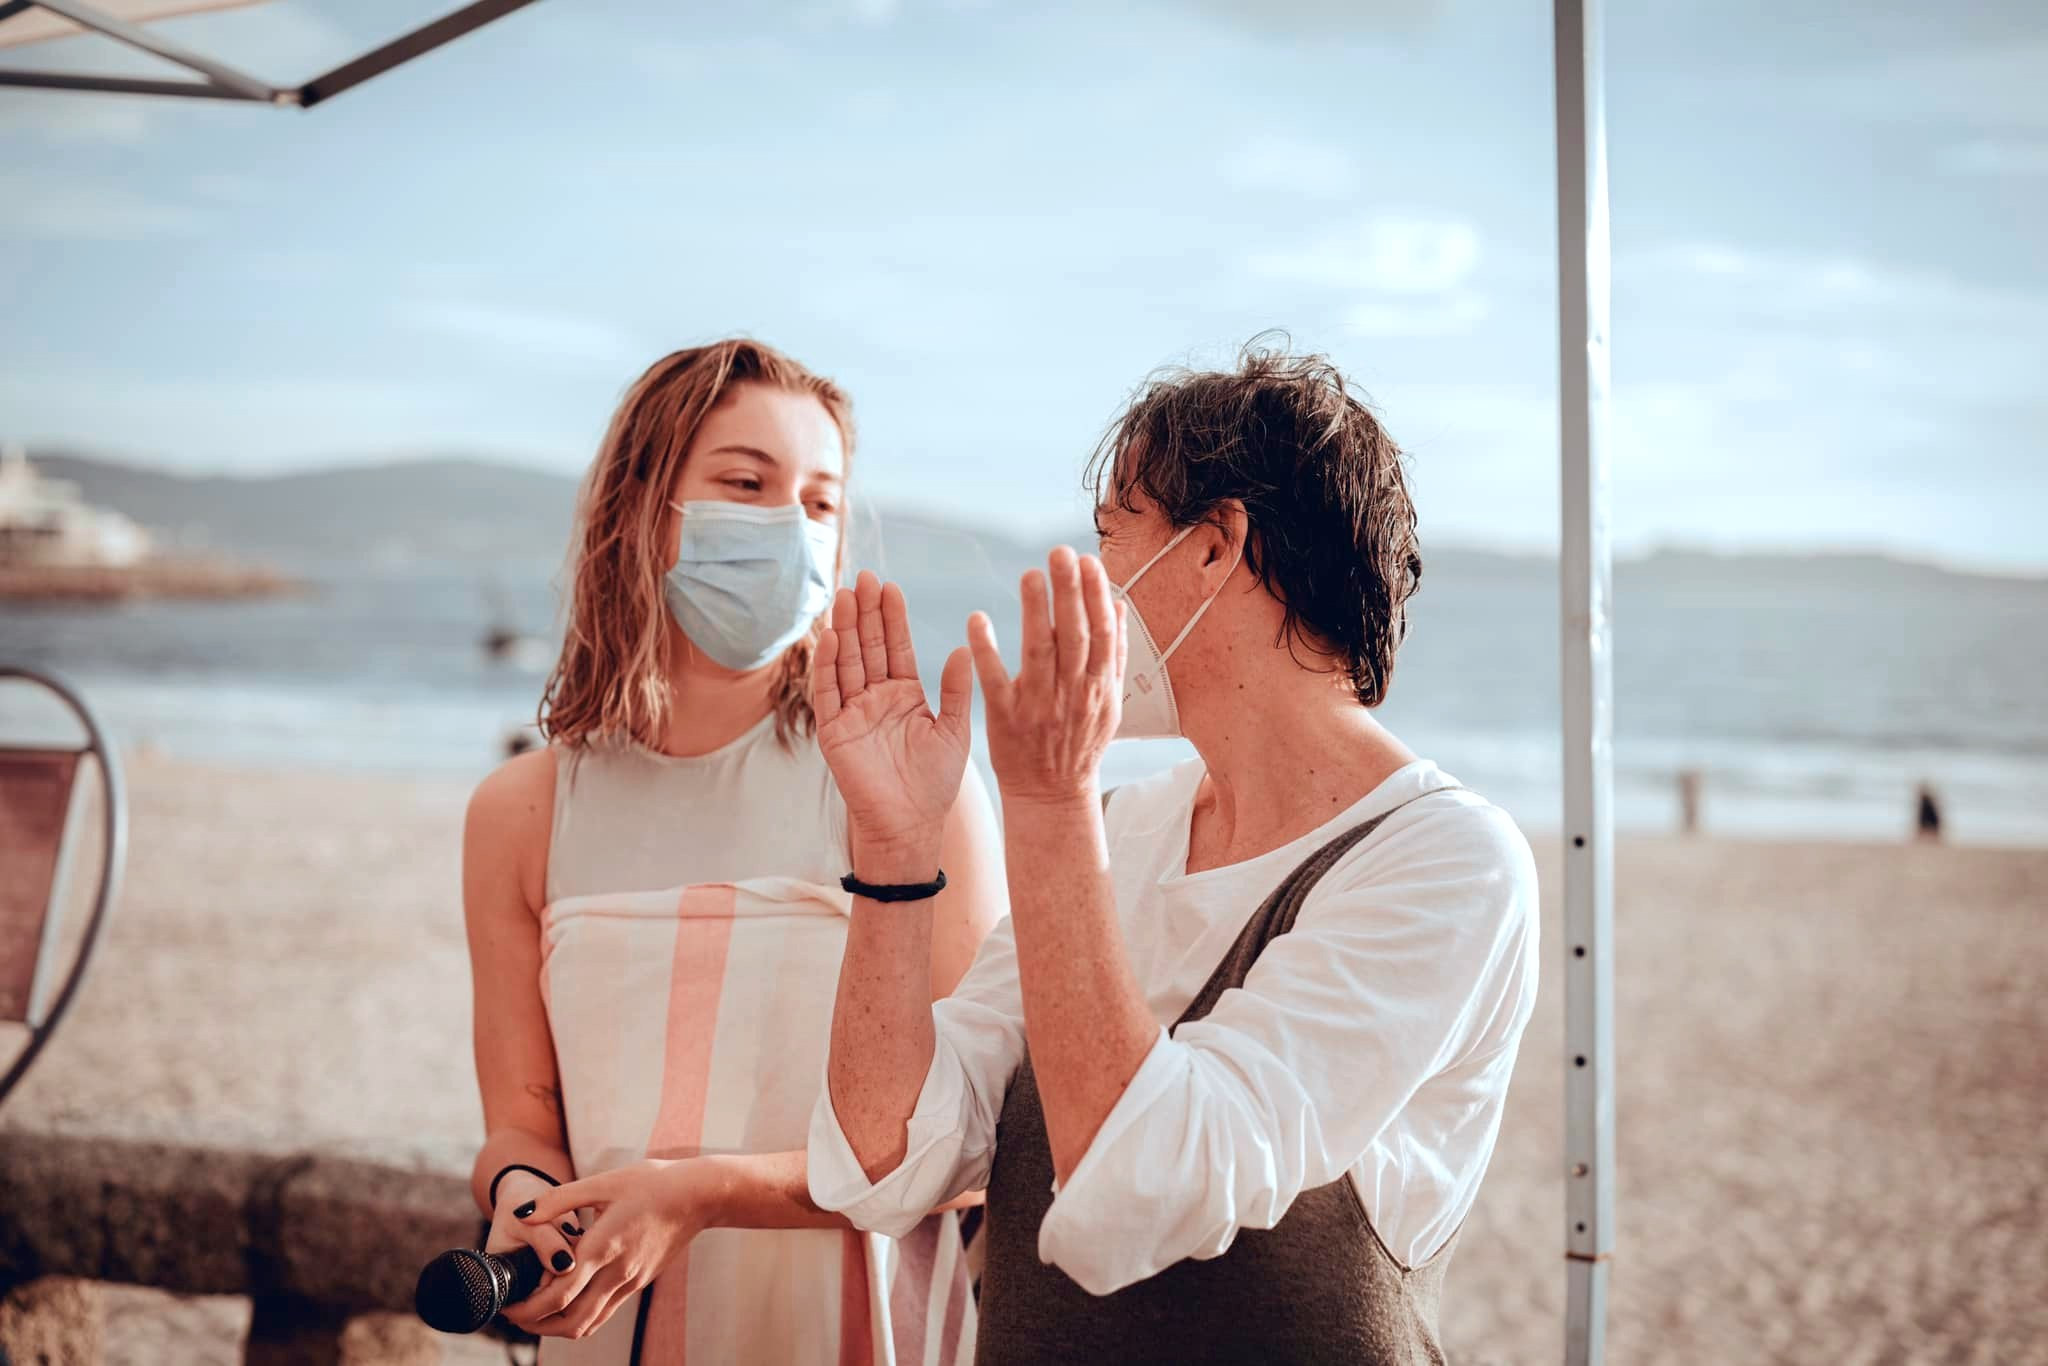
1587, 676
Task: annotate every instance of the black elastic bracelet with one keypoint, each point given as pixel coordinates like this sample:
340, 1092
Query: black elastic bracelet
895, 891
492, 1197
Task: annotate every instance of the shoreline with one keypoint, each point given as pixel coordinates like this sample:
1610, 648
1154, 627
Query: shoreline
174, 578
1732, 813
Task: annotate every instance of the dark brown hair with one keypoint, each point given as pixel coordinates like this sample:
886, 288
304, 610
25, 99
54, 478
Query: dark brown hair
1332, 528
611, 680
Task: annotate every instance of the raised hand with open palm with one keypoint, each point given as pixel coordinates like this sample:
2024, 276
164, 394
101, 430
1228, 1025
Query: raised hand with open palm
898, 765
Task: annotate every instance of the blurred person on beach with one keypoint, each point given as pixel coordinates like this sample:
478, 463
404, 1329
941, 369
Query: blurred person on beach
654, 913
1234, 1066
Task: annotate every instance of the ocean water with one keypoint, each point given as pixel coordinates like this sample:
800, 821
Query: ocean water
1813, 709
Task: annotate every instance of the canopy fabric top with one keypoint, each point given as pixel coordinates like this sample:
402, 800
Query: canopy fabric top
36, 25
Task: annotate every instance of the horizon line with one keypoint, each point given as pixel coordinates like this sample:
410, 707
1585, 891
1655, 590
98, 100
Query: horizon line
1628, 550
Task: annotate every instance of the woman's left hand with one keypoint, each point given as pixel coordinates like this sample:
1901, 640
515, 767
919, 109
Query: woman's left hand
897, 763
647, 1213
1048, 726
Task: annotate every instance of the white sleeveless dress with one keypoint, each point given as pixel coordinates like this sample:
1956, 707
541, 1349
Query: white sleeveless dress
690, 957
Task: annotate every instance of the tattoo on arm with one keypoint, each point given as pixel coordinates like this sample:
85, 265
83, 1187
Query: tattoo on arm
546, 1095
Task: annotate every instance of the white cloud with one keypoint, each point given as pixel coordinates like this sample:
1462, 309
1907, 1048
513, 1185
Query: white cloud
1312, 170
1483, 458
1441, 315
1495, 431
209, 420
1712, 260
763, 55
874, 103
1328, 16
1984, 84
66, 118
238, 420
537, 334
1704, 461
1997, 158
1735, 458
228, 188
292, 265
1410, 275
1387, 254
1821, 289
42, 208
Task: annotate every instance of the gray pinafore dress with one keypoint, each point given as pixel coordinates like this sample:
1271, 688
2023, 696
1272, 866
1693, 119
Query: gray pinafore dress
1320, 1286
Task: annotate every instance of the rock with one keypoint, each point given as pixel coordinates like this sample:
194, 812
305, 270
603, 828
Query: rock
390, 1340
53, 1321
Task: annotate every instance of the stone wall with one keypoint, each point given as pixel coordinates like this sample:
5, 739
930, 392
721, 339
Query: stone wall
314, 1241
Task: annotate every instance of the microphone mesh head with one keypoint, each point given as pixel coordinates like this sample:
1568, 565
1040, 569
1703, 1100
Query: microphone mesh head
458, 1292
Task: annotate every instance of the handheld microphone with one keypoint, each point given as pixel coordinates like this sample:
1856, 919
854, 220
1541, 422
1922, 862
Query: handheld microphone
462, 1290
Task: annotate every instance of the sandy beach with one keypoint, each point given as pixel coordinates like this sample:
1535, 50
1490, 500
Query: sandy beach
1833, 1100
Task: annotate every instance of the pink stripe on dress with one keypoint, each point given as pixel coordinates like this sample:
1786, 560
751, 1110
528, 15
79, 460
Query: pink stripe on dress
704, 919
956, 1315
700, 1017
856, 1328
911, 1290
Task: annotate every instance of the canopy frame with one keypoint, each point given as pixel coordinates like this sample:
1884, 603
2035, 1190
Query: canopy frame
220, 81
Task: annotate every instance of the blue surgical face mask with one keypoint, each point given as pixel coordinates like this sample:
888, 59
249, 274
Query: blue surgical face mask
748, 581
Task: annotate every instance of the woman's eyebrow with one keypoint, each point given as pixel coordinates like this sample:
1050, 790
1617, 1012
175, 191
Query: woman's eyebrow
753, 451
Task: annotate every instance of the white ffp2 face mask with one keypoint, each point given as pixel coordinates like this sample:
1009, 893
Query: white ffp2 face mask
749, 580
1149, 710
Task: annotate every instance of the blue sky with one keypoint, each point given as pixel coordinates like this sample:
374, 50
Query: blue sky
992, 220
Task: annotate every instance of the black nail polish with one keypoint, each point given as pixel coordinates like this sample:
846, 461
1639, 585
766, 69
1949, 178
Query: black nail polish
523, 1210
562, 1261
571, 1230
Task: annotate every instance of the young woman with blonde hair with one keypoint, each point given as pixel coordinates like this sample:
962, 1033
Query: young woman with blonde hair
655, 912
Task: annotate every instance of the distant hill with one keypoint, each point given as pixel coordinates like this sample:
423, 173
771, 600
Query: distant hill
465, 510
437, 509
442, 510
1863, 571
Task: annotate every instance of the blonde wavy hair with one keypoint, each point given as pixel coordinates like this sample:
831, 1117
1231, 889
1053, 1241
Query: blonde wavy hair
611, 681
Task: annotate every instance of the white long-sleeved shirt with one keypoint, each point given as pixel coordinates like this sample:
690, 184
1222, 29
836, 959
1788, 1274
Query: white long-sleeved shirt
1375, 1040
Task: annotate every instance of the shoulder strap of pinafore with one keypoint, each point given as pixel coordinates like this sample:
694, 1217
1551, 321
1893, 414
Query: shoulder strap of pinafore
1277, 914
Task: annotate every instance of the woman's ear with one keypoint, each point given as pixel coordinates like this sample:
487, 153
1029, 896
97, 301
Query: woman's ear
1225, 546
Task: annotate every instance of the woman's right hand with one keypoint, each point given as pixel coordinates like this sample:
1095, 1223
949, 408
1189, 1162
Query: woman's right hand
898, 766
553, 1243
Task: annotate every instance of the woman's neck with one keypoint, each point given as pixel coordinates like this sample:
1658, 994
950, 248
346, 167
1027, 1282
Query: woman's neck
710, 706
1279, 769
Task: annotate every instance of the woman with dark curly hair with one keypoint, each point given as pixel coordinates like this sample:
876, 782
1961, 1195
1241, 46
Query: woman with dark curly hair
1233, 1068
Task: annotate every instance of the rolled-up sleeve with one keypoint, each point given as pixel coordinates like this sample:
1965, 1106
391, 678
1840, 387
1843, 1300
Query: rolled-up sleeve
1396, 965
978, 1044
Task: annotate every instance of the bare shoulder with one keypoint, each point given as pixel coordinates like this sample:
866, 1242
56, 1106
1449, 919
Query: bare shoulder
510, 817
517, 797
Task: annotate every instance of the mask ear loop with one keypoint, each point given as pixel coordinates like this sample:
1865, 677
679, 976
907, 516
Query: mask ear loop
1157, 555
1167, 653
